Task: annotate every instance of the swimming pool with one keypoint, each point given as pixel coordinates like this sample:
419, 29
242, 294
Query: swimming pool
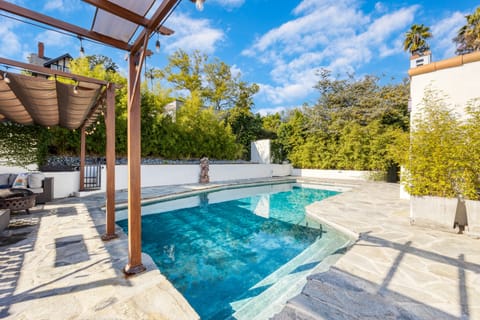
238, 252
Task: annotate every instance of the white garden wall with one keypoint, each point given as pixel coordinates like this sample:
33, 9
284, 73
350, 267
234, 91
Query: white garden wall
332, 174
67, 183
161, 175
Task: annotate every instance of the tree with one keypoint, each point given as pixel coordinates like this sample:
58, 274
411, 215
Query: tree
468, 36
220, 85
415, 39
441, 155
246, 127
351, 126
100, 60
212, 81
184, 71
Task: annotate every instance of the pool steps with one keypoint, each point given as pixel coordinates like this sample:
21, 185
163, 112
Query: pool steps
288, 280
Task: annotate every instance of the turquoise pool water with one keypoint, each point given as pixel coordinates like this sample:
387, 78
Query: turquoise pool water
225, 248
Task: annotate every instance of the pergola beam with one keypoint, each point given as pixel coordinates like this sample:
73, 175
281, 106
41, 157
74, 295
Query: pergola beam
33, 15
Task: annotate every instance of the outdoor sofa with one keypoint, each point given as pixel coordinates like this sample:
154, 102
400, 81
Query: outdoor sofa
35, 182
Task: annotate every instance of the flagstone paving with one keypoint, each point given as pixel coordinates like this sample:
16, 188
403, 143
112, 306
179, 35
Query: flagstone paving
395, 270
53, 265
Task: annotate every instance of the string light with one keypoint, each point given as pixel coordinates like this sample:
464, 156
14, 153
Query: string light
82, 50
199, 4
75, 87
157, 44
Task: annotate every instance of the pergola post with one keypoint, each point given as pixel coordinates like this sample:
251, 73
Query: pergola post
110, 158
134, 265
82, 159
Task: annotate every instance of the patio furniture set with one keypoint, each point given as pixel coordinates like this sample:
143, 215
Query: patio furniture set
24, 190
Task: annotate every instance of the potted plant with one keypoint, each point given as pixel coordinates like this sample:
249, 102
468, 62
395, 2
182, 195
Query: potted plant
470, 181
433, 163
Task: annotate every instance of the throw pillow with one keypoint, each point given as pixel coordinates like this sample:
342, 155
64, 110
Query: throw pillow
35, 180
21, 181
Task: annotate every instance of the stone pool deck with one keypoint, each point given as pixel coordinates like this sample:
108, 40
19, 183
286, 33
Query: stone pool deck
394, 270
53, 265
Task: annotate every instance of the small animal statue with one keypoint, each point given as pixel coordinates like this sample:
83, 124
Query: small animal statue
204, 178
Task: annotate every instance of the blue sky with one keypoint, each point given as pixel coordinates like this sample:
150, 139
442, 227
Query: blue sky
278, 44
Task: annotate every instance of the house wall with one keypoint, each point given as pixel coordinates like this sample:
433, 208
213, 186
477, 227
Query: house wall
260, 151
456, 79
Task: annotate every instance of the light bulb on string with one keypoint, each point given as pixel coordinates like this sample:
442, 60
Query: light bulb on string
5, 78
82, 50
199, 4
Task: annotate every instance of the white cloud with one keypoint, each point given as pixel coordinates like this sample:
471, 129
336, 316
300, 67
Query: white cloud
60, 5
10, 45
193, 34
265, 111
443, 32
228, 4
380, 7
54, 41
332, 34
235, 70
53, 5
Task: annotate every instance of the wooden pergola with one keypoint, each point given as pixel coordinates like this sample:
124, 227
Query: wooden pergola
122, 24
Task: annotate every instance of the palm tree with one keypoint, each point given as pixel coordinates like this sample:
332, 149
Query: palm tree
468, 36
415, 39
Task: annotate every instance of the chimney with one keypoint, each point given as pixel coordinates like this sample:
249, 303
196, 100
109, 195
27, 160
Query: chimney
41, 50
420, 59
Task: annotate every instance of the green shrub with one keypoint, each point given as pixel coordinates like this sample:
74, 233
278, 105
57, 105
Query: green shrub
443, 153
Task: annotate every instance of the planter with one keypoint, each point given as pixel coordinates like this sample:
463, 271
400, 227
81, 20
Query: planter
473, 215
433, 210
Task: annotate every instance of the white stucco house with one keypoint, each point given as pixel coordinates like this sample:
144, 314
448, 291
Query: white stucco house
457, 81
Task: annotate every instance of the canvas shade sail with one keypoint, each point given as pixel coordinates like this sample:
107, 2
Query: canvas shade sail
48, 102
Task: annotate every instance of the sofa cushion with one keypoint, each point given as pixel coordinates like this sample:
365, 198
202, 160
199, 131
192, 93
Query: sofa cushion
35, 180
4, 179
21, 181
36, 190
12, 178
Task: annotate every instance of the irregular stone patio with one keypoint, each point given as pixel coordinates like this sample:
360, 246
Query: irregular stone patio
55, 266
395, 270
